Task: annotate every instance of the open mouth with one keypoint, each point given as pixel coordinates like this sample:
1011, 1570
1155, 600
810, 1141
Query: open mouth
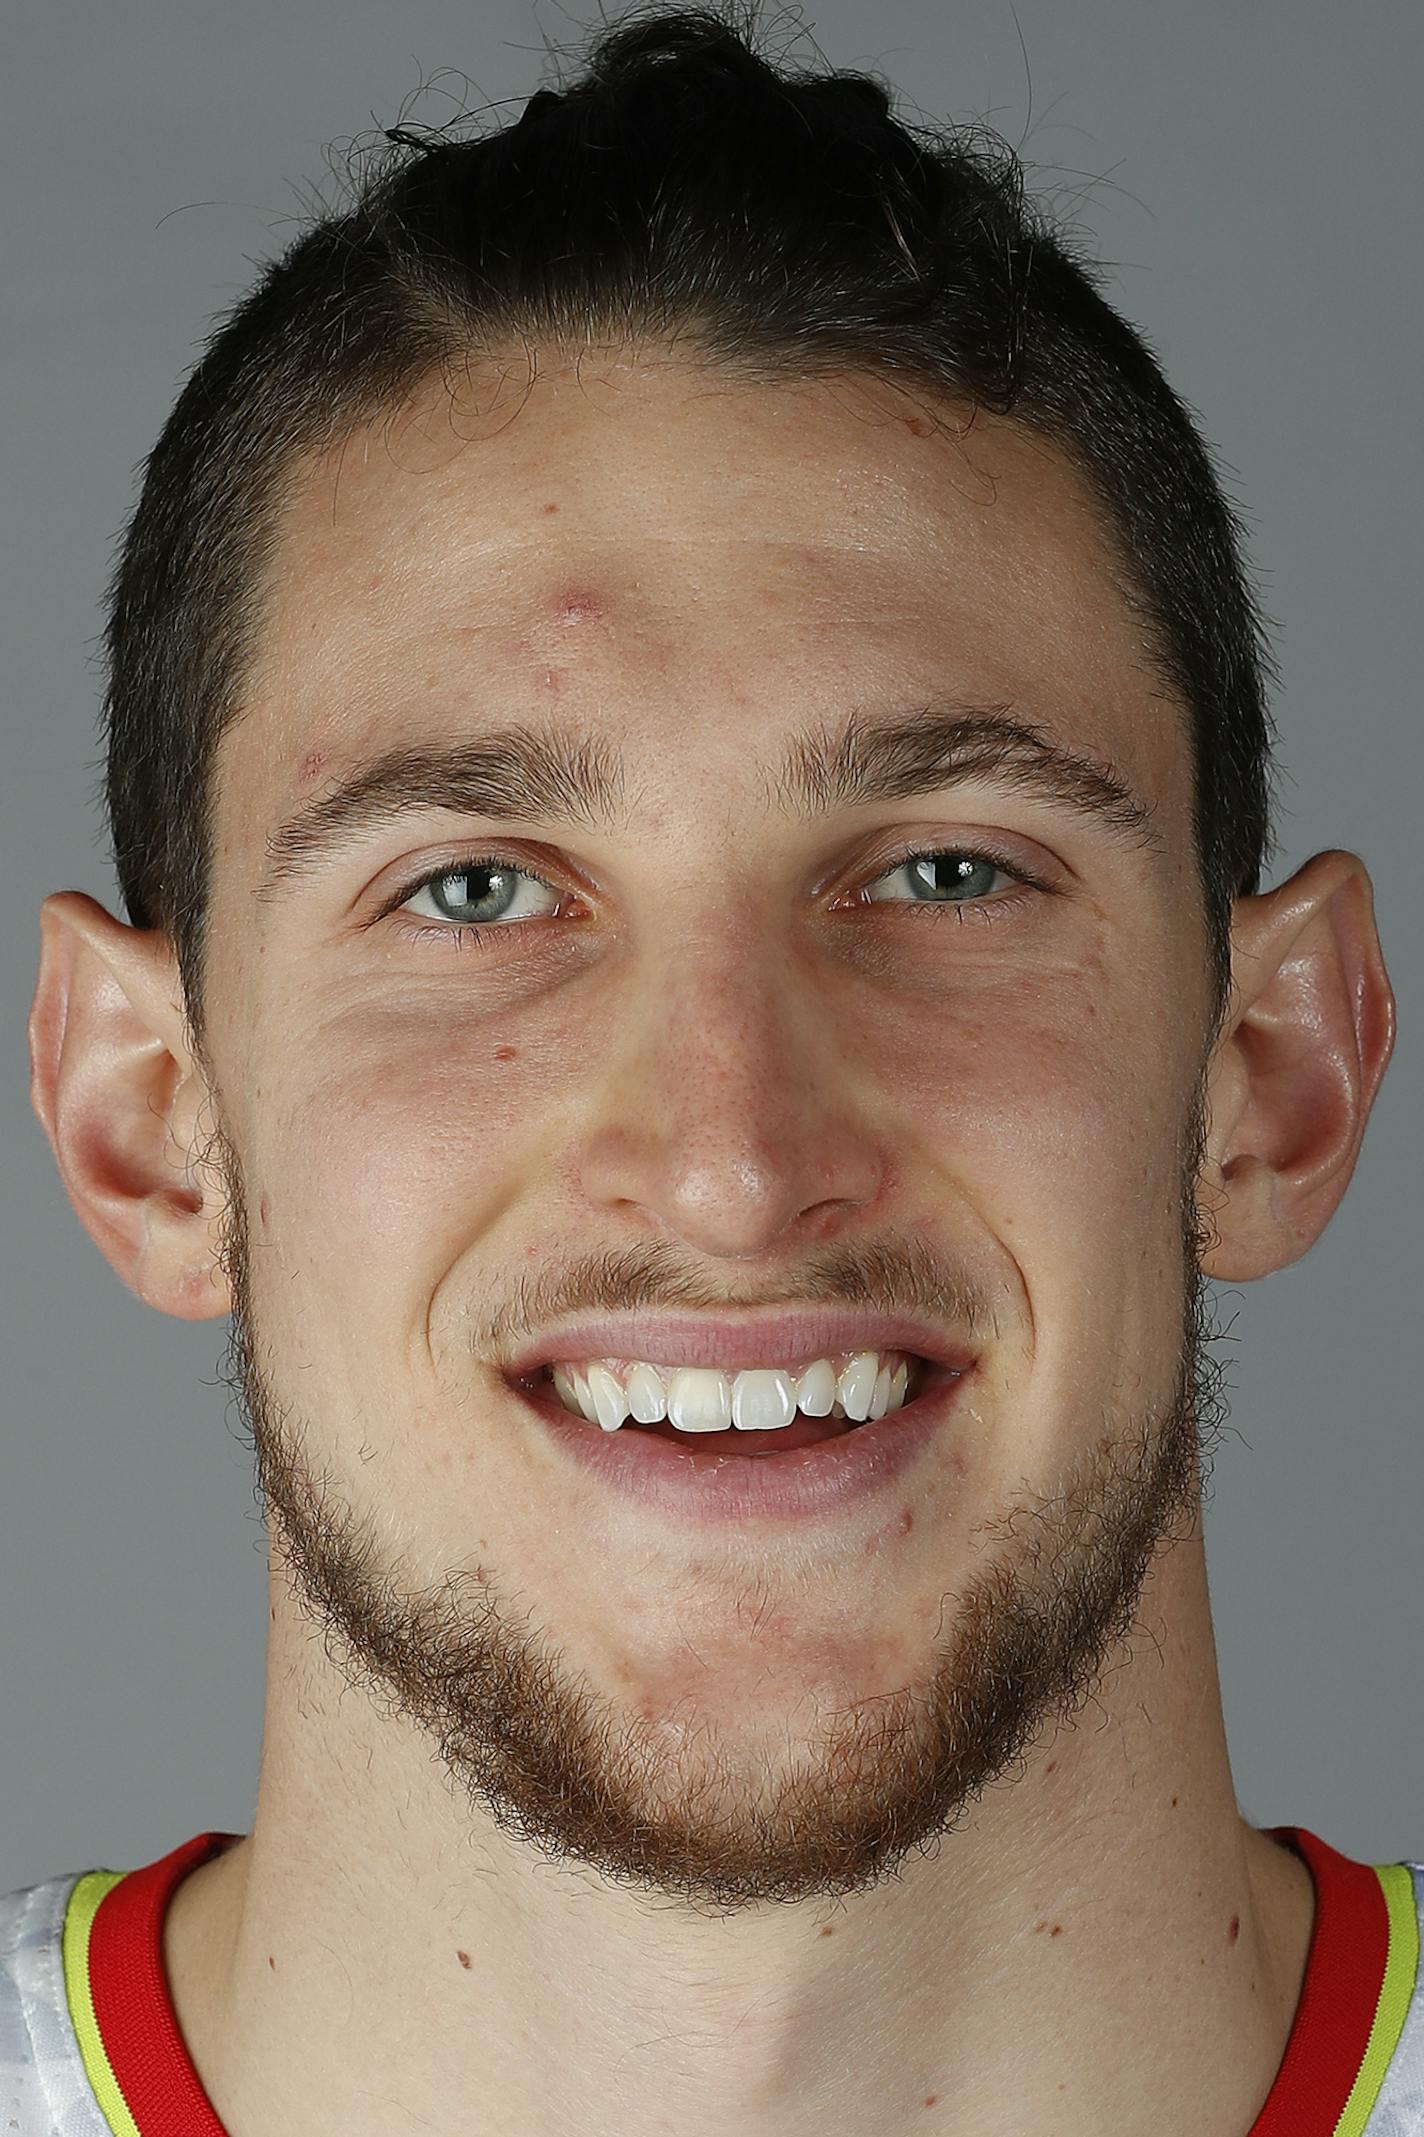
603, 1396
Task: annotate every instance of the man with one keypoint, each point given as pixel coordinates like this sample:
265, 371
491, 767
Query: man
688, 770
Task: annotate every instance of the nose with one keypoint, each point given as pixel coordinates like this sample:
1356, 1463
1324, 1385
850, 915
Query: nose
728, 1115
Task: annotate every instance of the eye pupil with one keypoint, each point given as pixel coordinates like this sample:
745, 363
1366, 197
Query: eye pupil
496, 878
960, 868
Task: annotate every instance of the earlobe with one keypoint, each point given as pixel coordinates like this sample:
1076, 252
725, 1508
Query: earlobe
113, 1088
1308, 1038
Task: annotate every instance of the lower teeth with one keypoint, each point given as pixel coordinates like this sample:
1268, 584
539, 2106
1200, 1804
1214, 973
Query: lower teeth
750, 1441
837, 1414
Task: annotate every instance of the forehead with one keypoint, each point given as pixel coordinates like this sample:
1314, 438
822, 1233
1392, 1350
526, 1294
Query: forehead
682, 559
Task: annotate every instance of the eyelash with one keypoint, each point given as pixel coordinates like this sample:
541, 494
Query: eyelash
984, 909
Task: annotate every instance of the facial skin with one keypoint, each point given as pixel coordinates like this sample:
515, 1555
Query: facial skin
709, 1090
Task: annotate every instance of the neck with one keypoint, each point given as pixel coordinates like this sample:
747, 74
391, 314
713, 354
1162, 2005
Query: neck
1055, 1963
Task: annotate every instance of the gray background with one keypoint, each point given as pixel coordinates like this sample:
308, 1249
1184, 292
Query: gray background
1252, 170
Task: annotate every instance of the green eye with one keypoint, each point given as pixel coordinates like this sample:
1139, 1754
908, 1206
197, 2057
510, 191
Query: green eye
959, 877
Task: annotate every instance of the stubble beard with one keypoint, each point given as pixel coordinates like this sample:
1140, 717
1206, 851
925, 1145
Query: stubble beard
535, 1750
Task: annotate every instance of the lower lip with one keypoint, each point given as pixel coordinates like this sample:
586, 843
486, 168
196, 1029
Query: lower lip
792, 1484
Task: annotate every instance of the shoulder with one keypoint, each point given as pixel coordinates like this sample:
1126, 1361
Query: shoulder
43, 2088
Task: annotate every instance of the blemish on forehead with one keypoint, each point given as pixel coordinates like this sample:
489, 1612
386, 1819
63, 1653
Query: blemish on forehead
577, 605
310, 767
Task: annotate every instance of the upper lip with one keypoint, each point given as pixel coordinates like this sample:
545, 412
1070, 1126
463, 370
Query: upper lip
749, 1340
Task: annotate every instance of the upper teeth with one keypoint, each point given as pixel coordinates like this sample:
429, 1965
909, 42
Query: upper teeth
859, 1385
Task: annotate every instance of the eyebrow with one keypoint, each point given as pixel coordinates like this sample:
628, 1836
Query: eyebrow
555, 776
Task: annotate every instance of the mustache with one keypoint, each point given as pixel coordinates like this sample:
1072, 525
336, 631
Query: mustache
891, 1277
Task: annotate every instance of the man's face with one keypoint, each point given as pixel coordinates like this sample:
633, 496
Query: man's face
697, 1072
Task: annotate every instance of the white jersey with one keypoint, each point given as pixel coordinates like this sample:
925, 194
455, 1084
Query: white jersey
90, 2046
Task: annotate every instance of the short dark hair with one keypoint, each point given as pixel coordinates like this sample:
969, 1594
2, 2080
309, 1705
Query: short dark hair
779, 224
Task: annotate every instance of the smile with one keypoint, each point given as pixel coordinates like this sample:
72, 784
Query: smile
851, 1385
811, 1466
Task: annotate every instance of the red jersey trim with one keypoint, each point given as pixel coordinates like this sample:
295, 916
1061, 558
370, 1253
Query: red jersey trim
132, 2007
1344, 1977
1340, 2000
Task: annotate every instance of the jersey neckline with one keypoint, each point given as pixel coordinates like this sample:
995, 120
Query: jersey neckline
1360, 1975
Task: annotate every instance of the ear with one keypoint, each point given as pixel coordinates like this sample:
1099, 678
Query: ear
1306, 1042
115, 1088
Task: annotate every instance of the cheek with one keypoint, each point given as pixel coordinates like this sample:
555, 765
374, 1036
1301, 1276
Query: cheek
384, 1167
1044, 1085
1043, 1101
1047, 1116
1044, 1063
